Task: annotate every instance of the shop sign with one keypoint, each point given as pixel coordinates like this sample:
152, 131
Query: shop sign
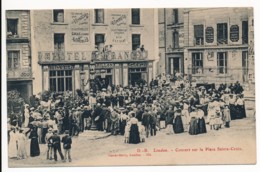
80, 27
209, 35
61, 67
136, 65
118, 23
234, 33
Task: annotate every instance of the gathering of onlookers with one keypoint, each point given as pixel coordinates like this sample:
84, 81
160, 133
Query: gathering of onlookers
135, 112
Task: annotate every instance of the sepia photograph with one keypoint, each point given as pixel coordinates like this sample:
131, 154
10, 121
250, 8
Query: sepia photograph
130, 86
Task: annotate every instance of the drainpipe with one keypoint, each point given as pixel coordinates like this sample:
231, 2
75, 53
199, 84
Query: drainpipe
165, 30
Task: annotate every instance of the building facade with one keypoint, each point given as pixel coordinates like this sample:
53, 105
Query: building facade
213, 45
217, 44
121, 43
18, 52
171, 39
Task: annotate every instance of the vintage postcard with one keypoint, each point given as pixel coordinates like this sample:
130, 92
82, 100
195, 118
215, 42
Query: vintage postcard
130, 86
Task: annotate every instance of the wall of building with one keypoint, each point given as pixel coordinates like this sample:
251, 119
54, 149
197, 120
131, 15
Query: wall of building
117, 28
23, 32
210, 18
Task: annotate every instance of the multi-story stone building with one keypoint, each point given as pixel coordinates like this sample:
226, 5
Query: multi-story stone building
171, 40
120, 44
217, 44
213, 45
18, 52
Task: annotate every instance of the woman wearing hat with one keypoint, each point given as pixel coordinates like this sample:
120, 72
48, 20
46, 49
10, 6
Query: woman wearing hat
21, 141
178, 125
193, 130
134, 136
12, 146
201, 120
34, 146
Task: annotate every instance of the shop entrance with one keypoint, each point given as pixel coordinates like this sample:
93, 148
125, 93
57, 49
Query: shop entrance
104, 82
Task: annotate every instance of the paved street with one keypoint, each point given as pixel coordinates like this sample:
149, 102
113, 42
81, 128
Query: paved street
96, 148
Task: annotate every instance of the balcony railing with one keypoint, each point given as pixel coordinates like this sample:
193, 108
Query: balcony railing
22, 73
51, 56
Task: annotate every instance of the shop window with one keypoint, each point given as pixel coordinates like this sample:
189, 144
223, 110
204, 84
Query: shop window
61, 80
13, 60
175, 39
222, 62
244, 32
198, 35
99, 15
12, 27
175, 16
58, 16
197, 63
136, 16
136, 41
222, 33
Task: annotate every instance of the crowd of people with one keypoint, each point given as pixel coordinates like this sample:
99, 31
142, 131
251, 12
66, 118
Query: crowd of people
136, 113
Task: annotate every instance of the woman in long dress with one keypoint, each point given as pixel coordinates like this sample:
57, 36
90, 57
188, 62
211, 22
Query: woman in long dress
178, 125
134, 136
240, 106
34, 146
193, 130
21, 138
12, 147
201, 121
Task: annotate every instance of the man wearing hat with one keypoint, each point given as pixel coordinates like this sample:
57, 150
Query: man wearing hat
55, 139
87, 117
67, 141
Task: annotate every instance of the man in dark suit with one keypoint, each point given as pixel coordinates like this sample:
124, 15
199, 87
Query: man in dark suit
56, 145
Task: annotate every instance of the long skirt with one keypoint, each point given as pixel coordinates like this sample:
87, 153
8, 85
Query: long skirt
134, 134
233, 111
241, 113
202, 126
178, 125
34, 147
193, 126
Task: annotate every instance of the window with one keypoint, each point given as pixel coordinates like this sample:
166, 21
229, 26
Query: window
222, 63
59, 46
99, 15
136, 16
136, 41
244, 32
175, 16
198, 35
222, 35
12, 27
99, 41
13, 59
61, 80
58, 16
175, 39
197, 63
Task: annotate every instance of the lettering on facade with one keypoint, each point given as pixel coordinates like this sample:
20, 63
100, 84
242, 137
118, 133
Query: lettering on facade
119, 29
136, 65
104, 65
80, 27
61, 67
234, 33
209, 35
